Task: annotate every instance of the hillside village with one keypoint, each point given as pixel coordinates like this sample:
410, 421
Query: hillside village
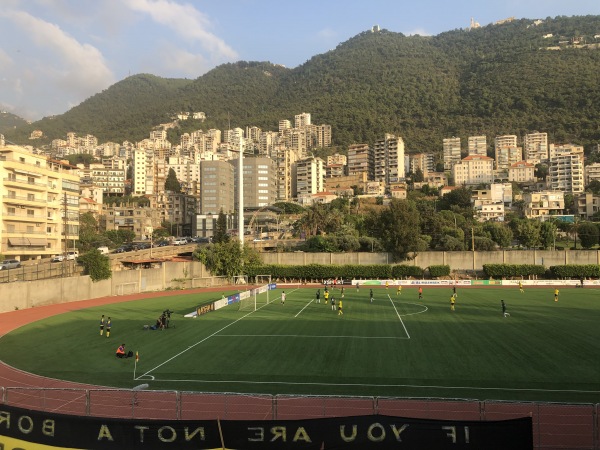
44, 195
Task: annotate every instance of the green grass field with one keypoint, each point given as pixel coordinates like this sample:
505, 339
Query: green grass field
395, 346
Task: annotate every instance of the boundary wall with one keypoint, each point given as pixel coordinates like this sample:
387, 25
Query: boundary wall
171, 275
555, 425
456, 260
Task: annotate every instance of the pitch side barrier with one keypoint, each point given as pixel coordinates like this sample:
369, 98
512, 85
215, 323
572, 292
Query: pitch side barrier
229, 300
458, 283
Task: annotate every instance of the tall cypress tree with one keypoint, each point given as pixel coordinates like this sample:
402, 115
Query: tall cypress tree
221, 234
172, 183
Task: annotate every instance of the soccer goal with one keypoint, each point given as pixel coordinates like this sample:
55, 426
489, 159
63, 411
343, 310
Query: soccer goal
240, 280
258, 297
127, 288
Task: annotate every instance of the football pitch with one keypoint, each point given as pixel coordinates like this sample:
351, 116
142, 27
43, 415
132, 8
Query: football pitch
396, 346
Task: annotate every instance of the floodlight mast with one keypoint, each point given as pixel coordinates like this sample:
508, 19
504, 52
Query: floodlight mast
241, 193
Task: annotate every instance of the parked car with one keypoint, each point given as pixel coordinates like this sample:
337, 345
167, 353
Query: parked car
162, 244
104, 250
10, 264
58, 258
72, 256
120, 250
180, 241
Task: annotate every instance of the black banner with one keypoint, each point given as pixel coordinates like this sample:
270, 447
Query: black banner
33, 430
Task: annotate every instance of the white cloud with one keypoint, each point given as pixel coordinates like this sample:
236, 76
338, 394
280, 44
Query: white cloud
418, 31
187, 22
178, 61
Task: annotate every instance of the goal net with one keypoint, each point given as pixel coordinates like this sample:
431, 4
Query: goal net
240, 280
127, 288
257, 297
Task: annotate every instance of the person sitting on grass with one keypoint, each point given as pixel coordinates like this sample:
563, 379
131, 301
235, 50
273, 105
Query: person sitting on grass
121, 351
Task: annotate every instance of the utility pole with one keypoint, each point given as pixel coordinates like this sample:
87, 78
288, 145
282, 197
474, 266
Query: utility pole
65, 234
472, 240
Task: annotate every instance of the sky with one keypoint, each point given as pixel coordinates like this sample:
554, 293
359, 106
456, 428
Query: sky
54, 54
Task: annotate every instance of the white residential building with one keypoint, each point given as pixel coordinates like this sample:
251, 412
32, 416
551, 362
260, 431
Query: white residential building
507, 156
310, 177
535, 147
474, 170
451, 154
521, 172
541, 205
565, 173
477, 145
389, 159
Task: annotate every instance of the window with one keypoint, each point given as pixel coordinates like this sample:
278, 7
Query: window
11, 211
31, 197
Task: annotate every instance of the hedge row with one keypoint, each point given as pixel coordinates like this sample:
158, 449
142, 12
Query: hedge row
439, 271
576, 271
319, 272
513, 270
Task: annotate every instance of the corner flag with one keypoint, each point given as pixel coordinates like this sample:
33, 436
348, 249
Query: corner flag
137, 356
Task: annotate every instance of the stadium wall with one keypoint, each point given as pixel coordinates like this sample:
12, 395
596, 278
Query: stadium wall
456, 260
175, 275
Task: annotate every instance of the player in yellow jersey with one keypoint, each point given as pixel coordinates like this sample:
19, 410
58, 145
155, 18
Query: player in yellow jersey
521, 290
340, 313
326, 296
399, 290
452, 302
556, 294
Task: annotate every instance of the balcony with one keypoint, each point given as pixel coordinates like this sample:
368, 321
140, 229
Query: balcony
28, 184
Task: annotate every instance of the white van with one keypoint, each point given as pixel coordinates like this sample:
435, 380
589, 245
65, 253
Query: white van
104, 250
73, 255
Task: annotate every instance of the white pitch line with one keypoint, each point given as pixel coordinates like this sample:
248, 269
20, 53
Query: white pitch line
416, 386
199, 342
303, 308
399, 317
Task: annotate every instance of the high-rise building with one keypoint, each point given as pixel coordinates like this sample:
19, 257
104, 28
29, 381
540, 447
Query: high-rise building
310, 177
425, 162
477, 145
535, 147
260, 181
389, 159
361, 160
565, 173
286, 180
301, 120
507, 156
216, 187
143, 172
451, 152
40, 205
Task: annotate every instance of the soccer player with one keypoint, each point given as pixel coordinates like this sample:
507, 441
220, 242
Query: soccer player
556, 294
357, 285
108, 326
121, 352
504, 312
399, 290
521, 290
102, 325
318, 299
340, 313
452, 302
454, 290
371, 295
386, 284
326, 296
420, 292
283, 298
332, 303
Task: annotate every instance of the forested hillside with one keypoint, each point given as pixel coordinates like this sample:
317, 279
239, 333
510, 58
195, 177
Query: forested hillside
499, 79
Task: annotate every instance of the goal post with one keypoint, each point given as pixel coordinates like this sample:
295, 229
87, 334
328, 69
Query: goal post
257, 297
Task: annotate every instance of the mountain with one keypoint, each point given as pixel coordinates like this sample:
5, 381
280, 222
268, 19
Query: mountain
10, 122
513, 78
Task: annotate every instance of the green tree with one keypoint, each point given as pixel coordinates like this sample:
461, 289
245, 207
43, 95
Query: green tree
588, 234
172, 183
499, 233
96, 265
119, 237
221, 234
227, 258
548, 234
528, 233
398, 228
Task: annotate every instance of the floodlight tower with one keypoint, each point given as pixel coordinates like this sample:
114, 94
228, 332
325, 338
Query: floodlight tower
241, 193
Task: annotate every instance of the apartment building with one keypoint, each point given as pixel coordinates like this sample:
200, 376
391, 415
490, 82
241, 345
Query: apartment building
591, 173
361, 159
388, 156
522, 172
260, 181
301, 120
555, 150
565, 173
541, 205
286, 172
588, 205
451, 152
474, 170
508, 140
40, 205
506, 156
217, 187
143, 172
310, 178
425, 162
535, 147
477, 145
187, 172
132, 217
